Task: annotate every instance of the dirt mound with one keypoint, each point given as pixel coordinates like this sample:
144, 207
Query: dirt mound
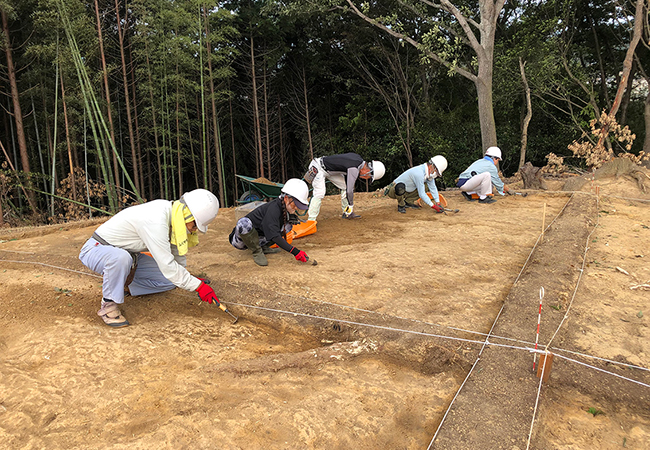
616, 168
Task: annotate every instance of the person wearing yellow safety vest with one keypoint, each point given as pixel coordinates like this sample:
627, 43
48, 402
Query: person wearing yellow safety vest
479, 177
269, 224
343, 171
162, 228
410, 185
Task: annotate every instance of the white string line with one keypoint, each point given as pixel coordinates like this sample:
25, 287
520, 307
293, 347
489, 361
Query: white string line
401, 330
478, 358
603, 370
626, 198
452, 402
479, 333
538, 239
591, 193
398, 317
584, 259
539, 391
532, 250
420, 333
582, 270
602, 359
497, 318
49, 265
16, 251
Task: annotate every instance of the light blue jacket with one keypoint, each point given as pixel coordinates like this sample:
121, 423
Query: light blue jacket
414, 178
484, 165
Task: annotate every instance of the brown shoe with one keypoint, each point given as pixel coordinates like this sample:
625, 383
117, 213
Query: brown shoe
111, 315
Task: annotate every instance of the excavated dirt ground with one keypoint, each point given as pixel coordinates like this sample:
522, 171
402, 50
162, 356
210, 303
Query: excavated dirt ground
300, 369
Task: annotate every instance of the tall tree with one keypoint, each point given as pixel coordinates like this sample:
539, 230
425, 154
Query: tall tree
15, 97
447, 28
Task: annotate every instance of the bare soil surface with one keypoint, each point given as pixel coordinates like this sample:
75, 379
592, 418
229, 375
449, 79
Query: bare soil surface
343, 354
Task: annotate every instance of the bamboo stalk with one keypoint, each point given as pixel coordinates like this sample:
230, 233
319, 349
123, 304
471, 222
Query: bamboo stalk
56, 106
204, 143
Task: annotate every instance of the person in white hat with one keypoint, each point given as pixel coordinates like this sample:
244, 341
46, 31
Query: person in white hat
141, 250
269, 224
412, 184
479, 177
343, 171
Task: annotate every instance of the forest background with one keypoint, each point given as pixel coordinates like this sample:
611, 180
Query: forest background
110, 102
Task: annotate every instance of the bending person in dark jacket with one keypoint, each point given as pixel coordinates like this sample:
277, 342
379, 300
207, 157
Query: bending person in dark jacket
343, 171
269, 224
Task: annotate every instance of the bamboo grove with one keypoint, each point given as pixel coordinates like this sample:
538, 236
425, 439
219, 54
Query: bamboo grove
111, 102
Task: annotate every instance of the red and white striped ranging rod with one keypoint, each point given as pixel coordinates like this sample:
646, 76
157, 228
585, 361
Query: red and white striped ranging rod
539, 319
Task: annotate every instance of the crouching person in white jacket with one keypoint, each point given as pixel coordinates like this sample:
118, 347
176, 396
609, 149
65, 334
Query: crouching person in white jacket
141, 250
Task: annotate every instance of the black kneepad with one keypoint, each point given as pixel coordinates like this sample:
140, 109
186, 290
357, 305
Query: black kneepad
400, 189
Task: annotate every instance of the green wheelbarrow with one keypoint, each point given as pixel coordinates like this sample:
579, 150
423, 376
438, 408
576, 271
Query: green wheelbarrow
258, 190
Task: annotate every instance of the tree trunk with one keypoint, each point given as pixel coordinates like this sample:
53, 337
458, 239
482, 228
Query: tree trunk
283, 166
603, 78
234, 158
127, 102
483, 84
627, 65
626, 97
529, 115
266, 123
532, 177
304, 90
256, 116
482, 46
137, 127
154, 125
18, 115
178, 140
191, 140
646, 115
215, 125
73, 185
107, 93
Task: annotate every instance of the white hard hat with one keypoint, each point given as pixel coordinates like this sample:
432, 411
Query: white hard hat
299, 191
378, 169
494, 152
439, 162
203, 205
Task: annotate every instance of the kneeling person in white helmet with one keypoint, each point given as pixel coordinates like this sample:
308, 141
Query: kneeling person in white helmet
410, 185
479, 177
142, 248
269, 224
343, 171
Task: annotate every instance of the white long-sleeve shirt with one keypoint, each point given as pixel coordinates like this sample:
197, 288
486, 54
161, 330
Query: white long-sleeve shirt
147, 227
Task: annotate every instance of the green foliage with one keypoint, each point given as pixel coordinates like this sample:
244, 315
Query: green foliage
367, 92
595, 411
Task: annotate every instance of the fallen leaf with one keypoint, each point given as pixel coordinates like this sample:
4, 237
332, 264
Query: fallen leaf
639, 314
622, 270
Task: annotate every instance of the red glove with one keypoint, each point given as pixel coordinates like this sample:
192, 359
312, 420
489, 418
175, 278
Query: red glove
301, 256
206, 293
437, 208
